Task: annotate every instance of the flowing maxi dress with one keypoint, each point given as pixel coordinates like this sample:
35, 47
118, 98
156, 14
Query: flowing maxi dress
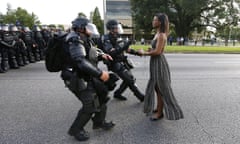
160, 77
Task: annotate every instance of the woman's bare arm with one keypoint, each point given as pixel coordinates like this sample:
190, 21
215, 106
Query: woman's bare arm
161, 39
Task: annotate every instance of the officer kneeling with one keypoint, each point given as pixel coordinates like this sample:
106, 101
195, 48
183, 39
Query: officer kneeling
82, 76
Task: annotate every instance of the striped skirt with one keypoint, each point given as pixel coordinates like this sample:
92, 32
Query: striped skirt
160, 77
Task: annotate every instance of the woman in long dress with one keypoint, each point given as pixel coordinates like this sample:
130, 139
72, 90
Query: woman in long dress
160, 80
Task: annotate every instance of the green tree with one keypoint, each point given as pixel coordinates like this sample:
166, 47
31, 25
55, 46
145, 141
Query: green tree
224, 18
185, 15
81, 15
142, 11
1, 18
96, 19
20, 15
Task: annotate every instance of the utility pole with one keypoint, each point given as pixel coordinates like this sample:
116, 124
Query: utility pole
104, 16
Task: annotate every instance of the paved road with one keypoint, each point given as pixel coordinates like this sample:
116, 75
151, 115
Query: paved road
35, 108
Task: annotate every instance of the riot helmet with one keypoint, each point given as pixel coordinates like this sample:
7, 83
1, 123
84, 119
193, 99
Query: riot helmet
84, 24
80, 23
26, 29
20, 28
13, 28
36, 28
93, 30
5, 28
44, 27
114, 24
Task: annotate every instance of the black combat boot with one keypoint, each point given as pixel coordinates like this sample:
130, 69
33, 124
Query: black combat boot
19, 59
13, 63
5, 65
140, 97
25, 60
99, 119
103, 125
82, 135
120, 97
37, 56
1, 70
77, 129
31, 57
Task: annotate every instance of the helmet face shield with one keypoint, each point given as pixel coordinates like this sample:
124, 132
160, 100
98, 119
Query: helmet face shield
38, 29
5, 28
44, 27
92, 29
117, 29
14, 29
26, 29
120, 29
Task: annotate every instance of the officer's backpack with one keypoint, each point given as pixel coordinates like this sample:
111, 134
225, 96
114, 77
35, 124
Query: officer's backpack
54, 53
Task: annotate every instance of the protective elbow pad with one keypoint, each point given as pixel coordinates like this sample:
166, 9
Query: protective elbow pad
86, 67
77, 51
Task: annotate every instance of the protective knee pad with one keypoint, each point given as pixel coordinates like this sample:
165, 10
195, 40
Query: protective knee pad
89, 101
89, 107
73, 83
128, 77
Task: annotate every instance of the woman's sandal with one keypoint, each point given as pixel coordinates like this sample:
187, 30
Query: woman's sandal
156, 118
154, 111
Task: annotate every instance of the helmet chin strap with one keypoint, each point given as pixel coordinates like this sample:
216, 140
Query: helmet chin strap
114, 34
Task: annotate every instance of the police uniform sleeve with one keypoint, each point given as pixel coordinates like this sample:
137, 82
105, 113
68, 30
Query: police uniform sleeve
78, 54
110, 49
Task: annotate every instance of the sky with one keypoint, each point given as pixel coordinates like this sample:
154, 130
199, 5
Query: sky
55, 11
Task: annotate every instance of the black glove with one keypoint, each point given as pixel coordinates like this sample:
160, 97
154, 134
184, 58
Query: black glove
111, 83
126, 45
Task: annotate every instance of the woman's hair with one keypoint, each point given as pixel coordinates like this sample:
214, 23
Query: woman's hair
164, 26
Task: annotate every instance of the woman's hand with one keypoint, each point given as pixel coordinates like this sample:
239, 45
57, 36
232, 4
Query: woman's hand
141, 52
149, 49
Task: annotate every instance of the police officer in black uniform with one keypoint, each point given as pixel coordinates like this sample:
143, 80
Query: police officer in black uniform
41, 44
7, 42
82, 76
1, 32
46, 34
19, 47
113, 45
27, 36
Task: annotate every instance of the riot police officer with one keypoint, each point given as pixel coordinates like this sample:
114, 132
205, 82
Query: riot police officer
19, 47
82, 76
27, 37
112, 44
7, 42
41, 44
46, 34
1, 32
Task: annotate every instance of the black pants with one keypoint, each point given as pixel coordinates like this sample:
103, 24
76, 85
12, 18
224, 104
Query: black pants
86, 93
128, 80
